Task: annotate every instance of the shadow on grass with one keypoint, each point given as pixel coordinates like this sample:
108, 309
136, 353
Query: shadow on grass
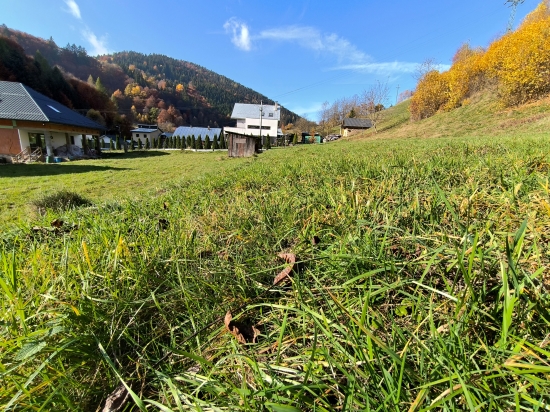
42, 169
134, 155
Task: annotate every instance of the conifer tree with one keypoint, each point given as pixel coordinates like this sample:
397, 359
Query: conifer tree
199, 142
147, 145
215, 145
207, 144
222, 142
193, 142
180, 144
268, 143
189, 142
140, 145
295, 139
132, 145
111, 146
183, 143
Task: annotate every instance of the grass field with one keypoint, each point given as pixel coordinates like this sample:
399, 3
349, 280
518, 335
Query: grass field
115, 176
422, 281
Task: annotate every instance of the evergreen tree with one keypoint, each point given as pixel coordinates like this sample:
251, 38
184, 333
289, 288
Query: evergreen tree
183, 143
215, 145
111, 146
179, 142
222, 142
295, 139
199, 142
189, 142
147, 144
171, 142
132, 145
155, 143
193, 142
91, 80
140, 145
207, 144
99, 86
268, 142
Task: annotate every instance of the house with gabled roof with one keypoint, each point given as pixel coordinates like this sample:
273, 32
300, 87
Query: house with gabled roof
350, 124
146, 132
31, 123
255, 123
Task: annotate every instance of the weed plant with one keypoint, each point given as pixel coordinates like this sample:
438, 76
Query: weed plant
59, 201
422, 284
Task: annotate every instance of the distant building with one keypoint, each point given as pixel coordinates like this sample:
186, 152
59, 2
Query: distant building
32, 124
184, 131
255, 123
146, 132
351, 124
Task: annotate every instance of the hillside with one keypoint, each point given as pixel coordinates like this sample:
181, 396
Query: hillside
482, 116
150, 88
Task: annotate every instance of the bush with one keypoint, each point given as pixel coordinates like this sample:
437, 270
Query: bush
62, 200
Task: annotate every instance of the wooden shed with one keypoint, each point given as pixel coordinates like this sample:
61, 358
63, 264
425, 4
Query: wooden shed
241, 145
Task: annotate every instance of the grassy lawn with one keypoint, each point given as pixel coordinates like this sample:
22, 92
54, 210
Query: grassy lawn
116, 176
422, 280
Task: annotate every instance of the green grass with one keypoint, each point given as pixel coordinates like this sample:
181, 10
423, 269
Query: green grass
428, 287
116, 176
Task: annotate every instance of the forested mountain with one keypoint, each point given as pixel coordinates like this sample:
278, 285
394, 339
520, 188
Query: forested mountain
147, 88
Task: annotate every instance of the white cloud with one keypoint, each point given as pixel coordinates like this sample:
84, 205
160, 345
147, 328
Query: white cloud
311, 38
386, 68
99, 44
240, 33
73, 8
310, 111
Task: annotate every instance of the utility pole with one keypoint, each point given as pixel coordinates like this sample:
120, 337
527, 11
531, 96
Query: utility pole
261, 115
397, 94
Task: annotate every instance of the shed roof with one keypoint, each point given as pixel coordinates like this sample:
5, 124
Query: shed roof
357, 123
252, 111
185, 131
20, 102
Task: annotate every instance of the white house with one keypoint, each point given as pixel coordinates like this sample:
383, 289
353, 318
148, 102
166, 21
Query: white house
146, 132
251, 116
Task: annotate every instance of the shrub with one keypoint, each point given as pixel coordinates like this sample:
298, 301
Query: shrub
215, 144
60, 201
207, 144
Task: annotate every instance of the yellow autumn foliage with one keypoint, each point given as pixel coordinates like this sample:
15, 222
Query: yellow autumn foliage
518, 62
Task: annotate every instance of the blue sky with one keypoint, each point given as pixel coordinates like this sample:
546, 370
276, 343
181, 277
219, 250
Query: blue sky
299, 52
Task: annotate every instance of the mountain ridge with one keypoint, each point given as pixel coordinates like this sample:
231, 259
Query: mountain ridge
149, 87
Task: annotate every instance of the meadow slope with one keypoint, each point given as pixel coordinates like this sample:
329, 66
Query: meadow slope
422, 283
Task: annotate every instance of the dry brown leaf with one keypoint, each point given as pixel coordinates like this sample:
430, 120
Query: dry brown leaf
243, 332
57, 223
117, 399
291, 260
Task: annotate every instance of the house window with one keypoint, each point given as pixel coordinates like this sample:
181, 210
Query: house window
137, 134
270, 114
253, 126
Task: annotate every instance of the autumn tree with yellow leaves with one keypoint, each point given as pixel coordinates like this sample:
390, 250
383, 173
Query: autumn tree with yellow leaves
518, 63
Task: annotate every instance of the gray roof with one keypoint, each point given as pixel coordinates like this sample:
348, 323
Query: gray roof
142, 130
357, 123
20, 102
252, 111
184, 131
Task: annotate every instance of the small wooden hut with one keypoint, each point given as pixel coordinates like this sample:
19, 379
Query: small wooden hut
241, 145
